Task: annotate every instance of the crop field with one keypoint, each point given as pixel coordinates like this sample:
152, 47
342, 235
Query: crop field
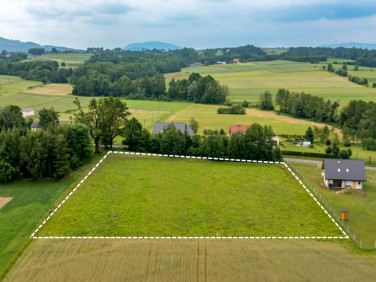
207, 117
151, 196
52, 89
191, 260
247, 81
362, 214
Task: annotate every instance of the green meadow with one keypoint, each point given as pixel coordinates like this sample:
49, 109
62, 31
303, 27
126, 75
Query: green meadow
156, 196
70, 59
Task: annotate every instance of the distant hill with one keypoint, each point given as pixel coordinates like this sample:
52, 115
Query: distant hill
150, 46
351, 45
19, 46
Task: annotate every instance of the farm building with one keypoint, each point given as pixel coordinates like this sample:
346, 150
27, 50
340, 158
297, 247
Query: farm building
238, 128
159, 127
197, 64
342, 174
28, 112
35, 125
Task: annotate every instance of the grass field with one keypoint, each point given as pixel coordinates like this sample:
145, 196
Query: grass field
7, 79
8, 90
247, 81
207, 117
362, 214
191, 260
146, 196
32, 200
52, 89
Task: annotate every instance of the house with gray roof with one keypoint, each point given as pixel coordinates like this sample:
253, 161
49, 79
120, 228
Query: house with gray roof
342, 174
35, 125
159, 127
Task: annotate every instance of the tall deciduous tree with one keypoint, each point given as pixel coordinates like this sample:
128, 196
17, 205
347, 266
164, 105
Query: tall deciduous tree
47, 117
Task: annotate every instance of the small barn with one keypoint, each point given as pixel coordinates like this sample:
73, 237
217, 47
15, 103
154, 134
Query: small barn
28, 112
35, 125
342, 174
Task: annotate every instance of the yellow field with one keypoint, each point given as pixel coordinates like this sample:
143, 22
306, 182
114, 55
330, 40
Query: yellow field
52, 89
207, 117
191, 260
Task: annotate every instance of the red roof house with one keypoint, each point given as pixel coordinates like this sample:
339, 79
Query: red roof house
238, 128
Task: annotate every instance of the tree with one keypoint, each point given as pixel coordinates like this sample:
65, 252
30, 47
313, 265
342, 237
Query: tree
79, 141
172, 141
93, 118
343, 154
132, 133
194, 124
47, 117
309, 135
11, 116
114, 118
36, 51
335, 149
266, 101
330, 68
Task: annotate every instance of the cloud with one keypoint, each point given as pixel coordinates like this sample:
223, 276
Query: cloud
195, 23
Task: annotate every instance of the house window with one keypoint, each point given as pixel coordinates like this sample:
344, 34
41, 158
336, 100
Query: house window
359, 182
337, 183
339, 170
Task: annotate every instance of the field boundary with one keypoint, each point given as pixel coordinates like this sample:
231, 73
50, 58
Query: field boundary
187, 237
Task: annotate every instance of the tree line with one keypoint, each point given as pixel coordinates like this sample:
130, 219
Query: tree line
256, 143
46, 153
304, 105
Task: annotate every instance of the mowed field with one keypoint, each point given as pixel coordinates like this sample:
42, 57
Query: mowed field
191, 260
52, 89
131, 195
247, 81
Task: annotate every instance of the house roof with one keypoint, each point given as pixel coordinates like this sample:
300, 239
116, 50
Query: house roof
238, 128
340, 169
35, 123
27, 110
160, 126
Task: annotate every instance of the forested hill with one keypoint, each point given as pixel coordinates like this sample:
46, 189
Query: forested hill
19, 46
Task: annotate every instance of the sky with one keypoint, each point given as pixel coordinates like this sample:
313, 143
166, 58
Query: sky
188, 23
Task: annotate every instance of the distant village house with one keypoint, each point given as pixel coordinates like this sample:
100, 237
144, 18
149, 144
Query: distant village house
35, 125
238, 128
197, 64
159, 127
28, 112
342, 173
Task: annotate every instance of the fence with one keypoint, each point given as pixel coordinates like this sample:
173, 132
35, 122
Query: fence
337, 215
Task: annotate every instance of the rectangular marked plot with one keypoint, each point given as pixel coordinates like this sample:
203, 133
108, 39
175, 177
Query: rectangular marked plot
156, 196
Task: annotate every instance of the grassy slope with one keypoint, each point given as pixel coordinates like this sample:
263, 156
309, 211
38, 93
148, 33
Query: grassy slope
249, 80
69, 59
362, 215
32, 200
191, 260
145, 196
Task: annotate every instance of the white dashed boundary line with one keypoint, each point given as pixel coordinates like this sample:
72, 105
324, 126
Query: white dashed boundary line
188, 237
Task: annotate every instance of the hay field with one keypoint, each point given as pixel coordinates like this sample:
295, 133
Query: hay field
52, 89
70, 59
18, 86
153, 196
191, 260
247, 81
207, 117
